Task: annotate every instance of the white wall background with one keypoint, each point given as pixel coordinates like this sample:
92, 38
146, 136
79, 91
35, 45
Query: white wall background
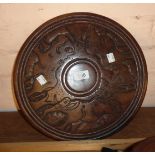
17, 21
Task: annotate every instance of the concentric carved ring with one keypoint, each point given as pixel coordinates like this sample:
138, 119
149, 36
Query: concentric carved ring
80, 76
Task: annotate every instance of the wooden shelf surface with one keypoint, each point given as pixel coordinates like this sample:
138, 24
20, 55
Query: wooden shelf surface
16, 134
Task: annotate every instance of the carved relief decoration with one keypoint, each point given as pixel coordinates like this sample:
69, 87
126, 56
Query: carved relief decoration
80, 76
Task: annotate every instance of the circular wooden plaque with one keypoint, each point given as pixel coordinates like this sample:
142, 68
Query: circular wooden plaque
80, 76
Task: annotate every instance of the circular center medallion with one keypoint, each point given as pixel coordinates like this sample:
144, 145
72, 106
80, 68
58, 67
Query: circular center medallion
81, 77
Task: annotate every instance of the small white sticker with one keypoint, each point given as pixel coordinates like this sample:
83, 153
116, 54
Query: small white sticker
41, 79
81, 75
111, 57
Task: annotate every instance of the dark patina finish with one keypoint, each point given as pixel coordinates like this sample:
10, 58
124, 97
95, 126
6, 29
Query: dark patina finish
80, 76
146, 145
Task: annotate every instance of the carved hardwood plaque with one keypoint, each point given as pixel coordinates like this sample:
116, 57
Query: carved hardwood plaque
80, 76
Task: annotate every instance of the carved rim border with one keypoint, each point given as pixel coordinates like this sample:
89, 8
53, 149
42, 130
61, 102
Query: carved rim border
18, 89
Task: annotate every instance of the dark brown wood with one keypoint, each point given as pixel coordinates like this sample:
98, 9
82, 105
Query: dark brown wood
15, 129
80, 76
147, 145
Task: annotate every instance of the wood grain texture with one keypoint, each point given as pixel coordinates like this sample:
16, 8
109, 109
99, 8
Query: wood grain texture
19, 20
85, 145
15, 129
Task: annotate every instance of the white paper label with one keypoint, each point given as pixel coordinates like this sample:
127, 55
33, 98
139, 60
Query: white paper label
111, 57
41, 79
81, 75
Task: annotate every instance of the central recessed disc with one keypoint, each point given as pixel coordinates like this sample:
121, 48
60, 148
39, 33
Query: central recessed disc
81, 77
